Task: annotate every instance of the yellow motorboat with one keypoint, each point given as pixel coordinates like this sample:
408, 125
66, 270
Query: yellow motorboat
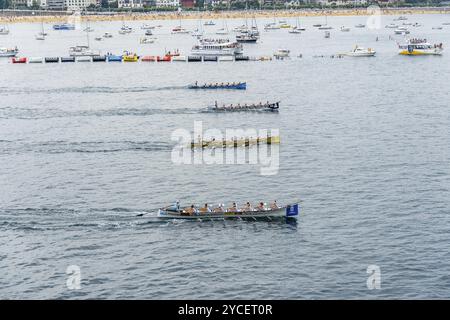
130, 57
419, 47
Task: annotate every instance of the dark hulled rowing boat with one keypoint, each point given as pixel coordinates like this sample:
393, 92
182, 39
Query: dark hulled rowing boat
234, 85
269, 106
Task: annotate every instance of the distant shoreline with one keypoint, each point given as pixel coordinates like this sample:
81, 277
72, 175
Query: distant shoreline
209, 15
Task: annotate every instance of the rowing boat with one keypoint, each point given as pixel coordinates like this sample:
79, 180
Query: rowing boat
237, 86
234, 143
274, 106
288, 211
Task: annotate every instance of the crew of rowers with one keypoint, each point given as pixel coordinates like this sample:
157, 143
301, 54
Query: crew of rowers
193, 210
222, 84
269, 105
235, 141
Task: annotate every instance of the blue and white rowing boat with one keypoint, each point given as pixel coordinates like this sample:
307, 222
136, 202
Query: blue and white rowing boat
288, 211
228, 85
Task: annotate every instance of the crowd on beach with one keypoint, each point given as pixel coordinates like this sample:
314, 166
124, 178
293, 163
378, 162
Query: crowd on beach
48, 17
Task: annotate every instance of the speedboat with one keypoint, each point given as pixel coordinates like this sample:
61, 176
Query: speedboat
146, 40
9, 52
392, 26
402, 30
288, 211
282, 53
419, 47
361, 52
64, 26
179, 30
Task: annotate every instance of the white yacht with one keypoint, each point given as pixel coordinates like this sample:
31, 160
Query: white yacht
9, 52
216, 47
281, 53
83, 51
361, 52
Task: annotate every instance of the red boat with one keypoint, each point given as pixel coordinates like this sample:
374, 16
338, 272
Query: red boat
19, 60
149, 58
166, 58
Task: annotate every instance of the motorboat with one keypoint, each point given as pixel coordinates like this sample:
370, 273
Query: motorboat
418, 47
64, 26
107, 35
9, 52
437, 28
130, 57
360, 25
216, 47
179, 30
98, 38
401, 18
39, 37
325, 27
294, 30
4, 31
125, 29
83, 51
327, 34
247, 37
361, 52
19, 60
345, 29
146, 40
209, 23
402, 30
36, 60
148, 32
281, 53
392, 26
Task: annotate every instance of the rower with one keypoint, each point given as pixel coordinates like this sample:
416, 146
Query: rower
261, 207
247, 207
233, 208
219, 208
205, 209
191, 210
175, 206
274, 205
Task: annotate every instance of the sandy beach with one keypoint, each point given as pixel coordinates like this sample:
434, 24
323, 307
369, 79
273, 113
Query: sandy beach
44, 16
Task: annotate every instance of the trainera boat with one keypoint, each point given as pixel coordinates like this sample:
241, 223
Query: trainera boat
288, 211
234, 143
227, 85
270, 106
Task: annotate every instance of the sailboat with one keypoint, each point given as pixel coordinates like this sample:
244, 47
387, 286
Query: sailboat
198, 32
325, 26
296, 29
179, 29
83, 51
224, 29
41, 35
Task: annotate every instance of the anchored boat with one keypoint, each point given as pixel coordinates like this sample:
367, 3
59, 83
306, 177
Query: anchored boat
228, 85
64, 26
274, 106
7, 52
361, 52
288, 211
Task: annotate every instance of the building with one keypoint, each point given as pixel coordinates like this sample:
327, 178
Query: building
40, 3
80, 4
130, 3
18, 3
187, 3
168, 3
56, 4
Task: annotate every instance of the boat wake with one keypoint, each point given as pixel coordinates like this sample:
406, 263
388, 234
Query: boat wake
34, 113
58, 147
89, 89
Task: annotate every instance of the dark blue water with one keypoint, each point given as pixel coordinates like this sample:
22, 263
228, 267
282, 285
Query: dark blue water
85, 150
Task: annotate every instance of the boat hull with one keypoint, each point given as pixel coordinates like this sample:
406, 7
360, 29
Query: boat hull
240, 86
290, 211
